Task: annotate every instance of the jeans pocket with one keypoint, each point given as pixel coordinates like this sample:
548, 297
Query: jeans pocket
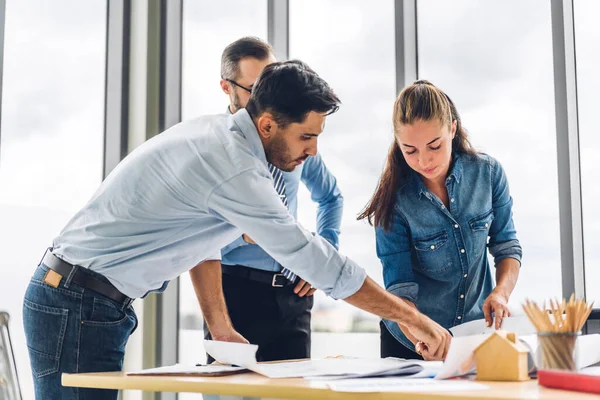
104, 312
45, 333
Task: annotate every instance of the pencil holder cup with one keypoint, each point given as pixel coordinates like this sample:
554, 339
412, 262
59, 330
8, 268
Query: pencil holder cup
557, 350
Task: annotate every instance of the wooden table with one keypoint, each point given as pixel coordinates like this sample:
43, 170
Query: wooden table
254, 385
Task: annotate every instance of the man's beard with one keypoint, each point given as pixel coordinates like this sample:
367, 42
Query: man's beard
278, 154
235, 102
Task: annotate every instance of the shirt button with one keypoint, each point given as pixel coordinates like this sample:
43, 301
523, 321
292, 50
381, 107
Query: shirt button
432, 247
451, 200
487, 225
462, 250
456, 225
462, 296
443, 206
459, 317
465, 275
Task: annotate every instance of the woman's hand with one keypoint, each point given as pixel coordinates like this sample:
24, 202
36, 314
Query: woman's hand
497, 303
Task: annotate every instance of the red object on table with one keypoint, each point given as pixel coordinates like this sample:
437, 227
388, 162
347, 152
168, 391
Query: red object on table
567, 380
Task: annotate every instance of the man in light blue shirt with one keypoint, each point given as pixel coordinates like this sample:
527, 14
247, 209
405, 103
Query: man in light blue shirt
265, 307
174, 202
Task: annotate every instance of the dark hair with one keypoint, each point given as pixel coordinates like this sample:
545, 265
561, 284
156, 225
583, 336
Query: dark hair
242, 48
290, 90
421, 101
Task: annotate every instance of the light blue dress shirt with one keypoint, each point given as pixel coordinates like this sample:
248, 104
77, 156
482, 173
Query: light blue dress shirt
324, 191
182, 196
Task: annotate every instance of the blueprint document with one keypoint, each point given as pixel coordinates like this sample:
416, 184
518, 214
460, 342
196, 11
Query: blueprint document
244, 355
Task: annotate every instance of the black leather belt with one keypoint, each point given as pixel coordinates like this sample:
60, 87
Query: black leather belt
84, 278
274, 279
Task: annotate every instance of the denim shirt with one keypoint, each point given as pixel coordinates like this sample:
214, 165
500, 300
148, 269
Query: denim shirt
324, 191
435, 257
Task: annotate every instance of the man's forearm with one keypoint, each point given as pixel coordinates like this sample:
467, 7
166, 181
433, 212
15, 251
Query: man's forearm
403, 328
373, 298
207, 281
507, 273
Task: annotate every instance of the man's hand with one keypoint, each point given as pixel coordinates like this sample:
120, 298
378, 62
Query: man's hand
247, 239
433, 340
304, 288
228, 335
497, 303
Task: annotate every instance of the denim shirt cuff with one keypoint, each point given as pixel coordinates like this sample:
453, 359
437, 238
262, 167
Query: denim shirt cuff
509, 249
406, 290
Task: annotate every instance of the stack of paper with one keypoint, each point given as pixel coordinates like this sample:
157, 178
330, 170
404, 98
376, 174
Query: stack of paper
328, 368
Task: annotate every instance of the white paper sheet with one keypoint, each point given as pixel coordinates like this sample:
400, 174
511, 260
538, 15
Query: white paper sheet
370, 385
519, 324
595, 371
245, 355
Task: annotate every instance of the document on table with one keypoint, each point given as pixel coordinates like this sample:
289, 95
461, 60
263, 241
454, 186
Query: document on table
191, 370
343, 367
370, 385
519, 324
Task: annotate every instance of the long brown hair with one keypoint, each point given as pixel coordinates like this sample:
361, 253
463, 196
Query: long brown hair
421, 101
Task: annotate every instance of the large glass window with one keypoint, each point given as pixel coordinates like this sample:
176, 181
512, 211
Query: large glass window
352, 46
51, 137
587, 37
495, 60
208, 27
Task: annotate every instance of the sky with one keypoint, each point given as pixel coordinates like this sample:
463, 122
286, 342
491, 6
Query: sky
493, 58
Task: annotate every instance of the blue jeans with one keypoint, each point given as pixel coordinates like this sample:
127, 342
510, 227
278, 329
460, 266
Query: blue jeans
70, 329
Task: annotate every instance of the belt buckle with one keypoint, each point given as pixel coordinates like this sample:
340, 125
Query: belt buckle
274, 282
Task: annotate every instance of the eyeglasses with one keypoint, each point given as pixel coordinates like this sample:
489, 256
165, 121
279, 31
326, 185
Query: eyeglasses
249, 90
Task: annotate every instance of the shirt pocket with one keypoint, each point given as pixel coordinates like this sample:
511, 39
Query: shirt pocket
433, 254
480, 229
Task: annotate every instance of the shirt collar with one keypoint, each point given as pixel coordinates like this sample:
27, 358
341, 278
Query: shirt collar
456, 167
242, 122
455, 172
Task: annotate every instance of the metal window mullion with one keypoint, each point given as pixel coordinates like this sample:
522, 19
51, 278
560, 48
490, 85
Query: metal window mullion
167, 310
406, 42
278, 27
116, 103
568, 155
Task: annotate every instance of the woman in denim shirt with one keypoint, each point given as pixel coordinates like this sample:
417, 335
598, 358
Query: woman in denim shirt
437, 203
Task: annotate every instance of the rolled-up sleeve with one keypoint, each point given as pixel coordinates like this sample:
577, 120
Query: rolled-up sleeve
393, 250
325, 192
503, 241
249, 202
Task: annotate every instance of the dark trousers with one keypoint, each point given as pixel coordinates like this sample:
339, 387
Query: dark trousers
390, 347
276, 319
